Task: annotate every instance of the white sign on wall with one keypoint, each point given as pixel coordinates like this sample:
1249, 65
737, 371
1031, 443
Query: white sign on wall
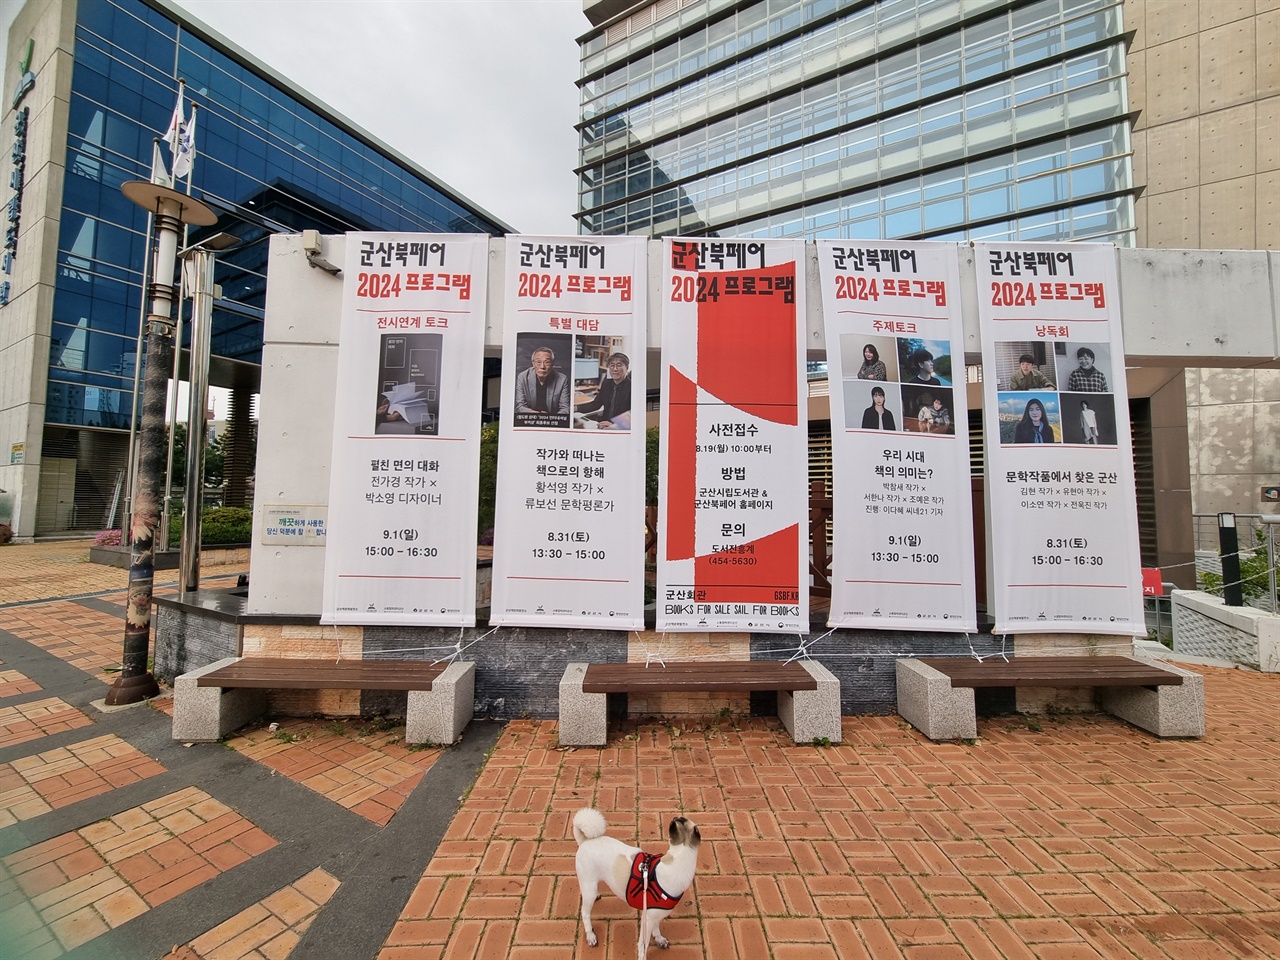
902, 511
401, 543
569, 528
298, 525
1064, 523
733, 554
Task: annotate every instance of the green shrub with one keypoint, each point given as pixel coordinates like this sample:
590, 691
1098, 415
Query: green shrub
651, 449
488, 481
220, 525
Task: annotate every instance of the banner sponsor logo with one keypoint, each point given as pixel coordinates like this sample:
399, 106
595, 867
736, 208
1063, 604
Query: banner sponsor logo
1064, 527
733, 549
401, 532
569, 529
903, 518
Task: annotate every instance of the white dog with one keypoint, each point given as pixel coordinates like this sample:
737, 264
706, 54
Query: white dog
651, 884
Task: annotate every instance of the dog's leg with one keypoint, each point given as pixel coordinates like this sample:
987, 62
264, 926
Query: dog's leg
590, 894
655, 928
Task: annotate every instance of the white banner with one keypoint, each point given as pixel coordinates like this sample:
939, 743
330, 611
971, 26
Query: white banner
903, 511
401, 543
569, 527
1064, 523
733, 547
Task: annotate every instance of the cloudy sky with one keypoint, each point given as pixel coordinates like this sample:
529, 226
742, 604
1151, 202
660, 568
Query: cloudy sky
479, 92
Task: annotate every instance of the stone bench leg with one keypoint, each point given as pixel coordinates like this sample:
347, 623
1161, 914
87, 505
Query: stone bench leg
929, 703
584, 718
1166, 711
811, 715
205, 714
439, 715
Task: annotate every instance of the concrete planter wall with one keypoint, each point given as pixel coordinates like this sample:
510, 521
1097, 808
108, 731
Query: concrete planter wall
168, 559
1204, 627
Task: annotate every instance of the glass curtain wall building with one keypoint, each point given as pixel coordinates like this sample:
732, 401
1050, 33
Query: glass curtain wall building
859, 119
269, 159
921, 119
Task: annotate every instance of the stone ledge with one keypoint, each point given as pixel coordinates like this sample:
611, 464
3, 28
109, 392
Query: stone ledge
1260, 625
211, 556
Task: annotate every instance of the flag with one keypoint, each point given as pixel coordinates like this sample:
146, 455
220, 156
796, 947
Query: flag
159, 172
174, 132
186, 154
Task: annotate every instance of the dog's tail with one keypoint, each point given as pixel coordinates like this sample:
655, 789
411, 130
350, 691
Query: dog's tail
587, 825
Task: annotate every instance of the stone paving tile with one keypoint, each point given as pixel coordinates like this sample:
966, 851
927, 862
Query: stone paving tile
39, 571
40, 718
90, 640
1051, 838
270, 929
13, 682
68, 890
37, 784
363, 765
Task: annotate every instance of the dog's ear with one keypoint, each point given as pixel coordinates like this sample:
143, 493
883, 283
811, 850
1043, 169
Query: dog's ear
673, 832
697, 837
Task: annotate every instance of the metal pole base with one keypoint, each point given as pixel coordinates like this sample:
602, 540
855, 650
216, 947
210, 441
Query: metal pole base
128, 690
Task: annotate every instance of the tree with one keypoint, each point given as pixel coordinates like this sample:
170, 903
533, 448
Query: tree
214, 457
179, 461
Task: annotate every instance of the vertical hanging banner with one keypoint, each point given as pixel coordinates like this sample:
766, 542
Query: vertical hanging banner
733, 549
1064, 522
401, 542
903, 510
569, 526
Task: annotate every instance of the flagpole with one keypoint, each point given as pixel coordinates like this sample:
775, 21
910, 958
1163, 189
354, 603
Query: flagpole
175, 144
131, 471
191, 148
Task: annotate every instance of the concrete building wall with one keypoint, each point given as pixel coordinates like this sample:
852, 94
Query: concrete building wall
1234, 434
25, 320
1204, 77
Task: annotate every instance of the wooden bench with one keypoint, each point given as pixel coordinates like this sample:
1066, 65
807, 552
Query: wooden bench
212, 701
808, 693
936, 694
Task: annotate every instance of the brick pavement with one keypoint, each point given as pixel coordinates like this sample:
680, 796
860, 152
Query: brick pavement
268, 930
363, 765
1055, 838
1059, 838
61, 568
34, 785
76, 886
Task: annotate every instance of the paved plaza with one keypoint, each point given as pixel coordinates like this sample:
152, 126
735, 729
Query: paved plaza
1062, 837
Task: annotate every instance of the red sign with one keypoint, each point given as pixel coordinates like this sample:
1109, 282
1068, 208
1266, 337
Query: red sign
1151, 582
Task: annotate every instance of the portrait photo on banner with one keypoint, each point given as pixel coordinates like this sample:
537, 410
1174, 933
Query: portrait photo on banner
1083, 367
925, 362
871, 405
927, 410
544, 380
1025, 365
601, 383
1029, 417
1088, 418
865, 357
408, 396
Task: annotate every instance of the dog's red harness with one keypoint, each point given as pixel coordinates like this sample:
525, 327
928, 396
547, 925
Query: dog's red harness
643, 890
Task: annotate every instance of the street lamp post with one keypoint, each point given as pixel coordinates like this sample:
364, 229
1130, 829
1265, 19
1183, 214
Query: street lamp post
171, 209
197, 271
